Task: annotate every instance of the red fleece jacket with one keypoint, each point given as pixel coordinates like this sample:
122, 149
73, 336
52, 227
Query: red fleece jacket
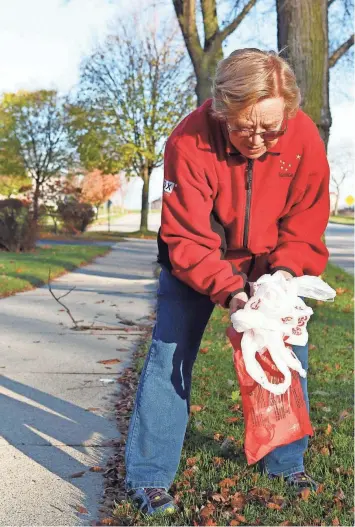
226, 218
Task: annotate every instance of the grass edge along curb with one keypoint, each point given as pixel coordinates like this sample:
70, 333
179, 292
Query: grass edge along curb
17, 258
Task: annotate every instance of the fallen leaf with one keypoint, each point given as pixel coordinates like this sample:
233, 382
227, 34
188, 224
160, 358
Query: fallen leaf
210, 522
278, 500
191, 461
227, 482
203, 350
238, 501
107, 521
218, 437
304, 494
320, 489
240, 518
207, 511
234, 522
325, 451
92, 409
336, 521
109, 361
235, 408
338, 503
195, 408
232, 419
340, 290
272, 505
189, 473
260, 493
319, 404
218, 461
311, 347
344, 414
328, 430
218, 498
340, 494
78, 474
96, 469
81, 509
286, 522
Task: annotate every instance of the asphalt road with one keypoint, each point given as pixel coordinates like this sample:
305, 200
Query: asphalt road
340, 242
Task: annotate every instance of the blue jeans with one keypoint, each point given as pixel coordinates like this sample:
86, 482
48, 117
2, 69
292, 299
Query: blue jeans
160, 415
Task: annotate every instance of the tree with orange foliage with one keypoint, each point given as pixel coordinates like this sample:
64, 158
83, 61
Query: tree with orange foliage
97, 187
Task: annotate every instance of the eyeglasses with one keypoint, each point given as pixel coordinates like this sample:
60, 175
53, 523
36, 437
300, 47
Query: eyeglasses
269, 135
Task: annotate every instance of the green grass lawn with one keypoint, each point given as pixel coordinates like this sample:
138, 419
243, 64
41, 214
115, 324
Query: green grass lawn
205, 497
117, 235
23, 271
345, 220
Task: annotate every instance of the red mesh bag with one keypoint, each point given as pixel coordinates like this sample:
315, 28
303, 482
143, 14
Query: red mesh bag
270, 420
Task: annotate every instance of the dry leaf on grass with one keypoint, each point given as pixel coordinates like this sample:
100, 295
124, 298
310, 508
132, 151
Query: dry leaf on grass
238, 501
240, 518
260, 494
97, 469
218, 498
325, 451
340, 494
336, 521
232, 419
196, 408
218, 437
328, 430
227, 483
218, 461
203, 350
207, 511
304, 494
191, 461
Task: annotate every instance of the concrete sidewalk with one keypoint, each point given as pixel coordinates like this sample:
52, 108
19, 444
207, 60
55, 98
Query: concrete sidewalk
56, 399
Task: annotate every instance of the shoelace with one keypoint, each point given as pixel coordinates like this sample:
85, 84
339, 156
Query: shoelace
153, 494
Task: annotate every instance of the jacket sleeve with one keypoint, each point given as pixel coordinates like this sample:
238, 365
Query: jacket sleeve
194, 248
300, 249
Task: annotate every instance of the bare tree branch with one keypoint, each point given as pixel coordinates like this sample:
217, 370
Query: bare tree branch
57, 299
340, 51
330, 2
238, 19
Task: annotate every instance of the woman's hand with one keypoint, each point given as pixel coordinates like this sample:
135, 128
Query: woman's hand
238, 302
286, 274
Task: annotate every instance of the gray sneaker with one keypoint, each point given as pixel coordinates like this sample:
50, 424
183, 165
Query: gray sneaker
152, 501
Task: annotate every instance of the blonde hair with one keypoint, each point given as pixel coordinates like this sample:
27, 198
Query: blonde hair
250, 75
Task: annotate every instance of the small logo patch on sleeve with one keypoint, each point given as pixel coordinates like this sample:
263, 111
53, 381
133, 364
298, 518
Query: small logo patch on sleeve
168, 186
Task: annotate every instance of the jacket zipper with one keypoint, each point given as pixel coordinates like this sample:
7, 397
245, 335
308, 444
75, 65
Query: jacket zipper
247, 208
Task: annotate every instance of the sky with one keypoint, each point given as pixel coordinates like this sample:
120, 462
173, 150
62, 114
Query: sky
43, 42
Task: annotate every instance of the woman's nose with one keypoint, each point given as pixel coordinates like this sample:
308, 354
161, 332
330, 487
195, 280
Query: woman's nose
256, 139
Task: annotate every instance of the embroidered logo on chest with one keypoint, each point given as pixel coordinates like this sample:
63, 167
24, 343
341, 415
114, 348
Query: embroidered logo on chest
288, 169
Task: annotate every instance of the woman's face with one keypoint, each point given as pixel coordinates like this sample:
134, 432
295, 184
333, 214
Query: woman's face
266, 115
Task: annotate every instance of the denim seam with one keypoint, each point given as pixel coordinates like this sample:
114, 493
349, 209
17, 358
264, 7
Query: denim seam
288, 472
147, 485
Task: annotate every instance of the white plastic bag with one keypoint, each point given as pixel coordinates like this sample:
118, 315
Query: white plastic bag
273, 313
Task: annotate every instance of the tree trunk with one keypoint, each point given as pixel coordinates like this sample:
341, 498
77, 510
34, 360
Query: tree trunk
205, 71
145, 199
36, 195
302, 28
336, 206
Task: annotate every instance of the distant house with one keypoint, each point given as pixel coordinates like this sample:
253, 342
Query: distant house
156, 204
